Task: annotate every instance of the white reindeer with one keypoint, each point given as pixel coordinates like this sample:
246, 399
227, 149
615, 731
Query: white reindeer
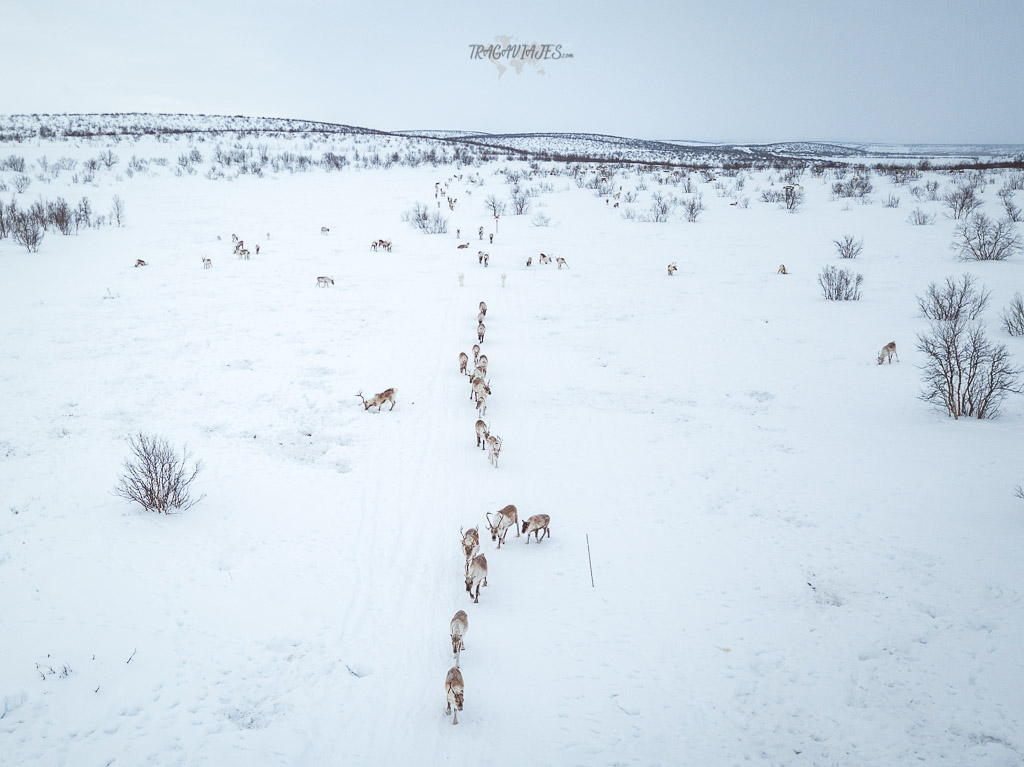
479, 388
387, 395
324, 230
561, 262
536, 524
458, 628
476, 353
483, 308
207, 263
323, 282
470, 544
782, 269
476, 577
494, 450
498, 522
671, 269
481, 434
454, 692
480, 330
887, 351
463, 362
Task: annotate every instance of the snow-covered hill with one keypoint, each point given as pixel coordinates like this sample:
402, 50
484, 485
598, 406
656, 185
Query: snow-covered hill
765, 548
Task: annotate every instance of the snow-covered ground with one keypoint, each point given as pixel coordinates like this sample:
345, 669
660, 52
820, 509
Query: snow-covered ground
795, 560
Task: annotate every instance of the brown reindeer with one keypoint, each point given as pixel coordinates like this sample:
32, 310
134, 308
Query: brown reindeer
529, 261
782, 269
457, 628
388, 395
463, 246
324, 230
139, 262
481, 434
323, 282
536, 524
463, 362
887, 352
561, 262
498, 522
476, 577
454, 692
470, 544
480, 330
671, 269
476, 354
207, 263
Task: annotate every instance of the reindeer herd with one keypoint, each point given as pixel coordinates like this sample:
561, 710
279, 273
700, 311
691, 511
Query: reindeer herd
498, 523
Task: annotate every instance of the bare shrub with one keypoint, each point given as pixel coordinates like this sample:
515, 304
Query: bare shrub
848, 247
956, 301
429, 222
541, 219
961, 201
496, 205
792, 198
156, 477
21, 183
965, 374
1013, 316
857, 187
27, 230
918, 217
117, 211
840, 284
1013, 213
520, 201
892, 201
693, 207
981, 239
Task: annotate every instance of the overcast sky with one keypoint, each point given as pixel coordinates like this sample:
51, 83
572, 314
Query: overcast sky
719, 70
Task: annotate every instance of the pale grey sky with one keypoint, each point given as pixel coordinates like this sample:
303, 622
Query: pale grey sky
899, 70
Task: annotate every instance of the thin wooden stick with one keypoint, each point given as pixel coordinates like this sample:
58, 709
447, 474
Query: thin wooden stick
589, 562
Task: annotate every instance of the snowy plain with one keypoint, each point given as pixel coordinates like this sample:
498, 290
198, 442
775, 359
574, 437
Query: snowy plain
795, 560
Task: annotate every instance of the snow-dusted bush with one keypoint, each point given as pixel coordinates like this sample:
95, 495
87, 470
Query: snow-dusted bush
156, 477
26, 229
981, 239
961, 201
427, 221
541, 219
892, 201
840, 284
918, 217
21, 183
693, 207
1013, 316
520, 201
848, 247
1013, 213
965, 374
117, 211
858, 186
956, 301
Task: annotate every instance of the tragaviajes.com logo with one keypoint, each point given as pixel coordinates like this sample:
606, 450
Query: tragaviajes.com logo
504, 54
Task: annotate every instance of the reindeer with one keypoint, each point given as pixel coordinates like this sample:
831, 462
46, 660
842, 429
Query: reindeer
481, 434
492, 239
782, 269
529, 261
887, 351
324, 230
476, 576
463, 362
323, 282
139, 262
476, 354
234, 238
480, 317
561, 262
387, 395
481, 232
373, 245
458, 628
494, 450
536, 524
480, 330
482, 363
545, 259
207, 263
470, 544
243, 253
481, 405
487, 259
479, 388
671, 269
239, 245
498, 522
257, 250
463, 246
454, 692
